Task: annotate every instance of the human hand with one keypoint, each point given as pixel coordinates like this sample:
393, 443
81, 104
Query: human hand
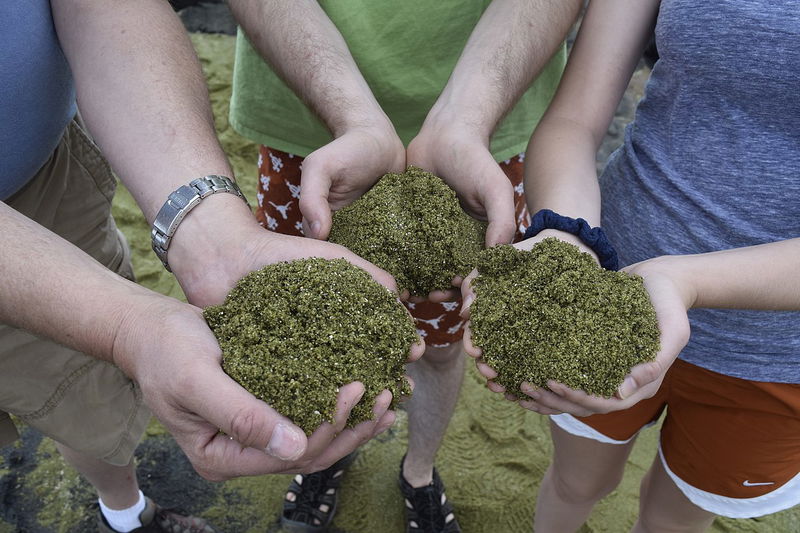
170, 351
182, 371
671, 297
341, 171
461, 157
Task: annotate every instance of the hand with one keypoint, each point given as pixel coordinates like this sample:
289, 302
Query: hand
462, 159
176, 361
344, 169
670, 296
174, 357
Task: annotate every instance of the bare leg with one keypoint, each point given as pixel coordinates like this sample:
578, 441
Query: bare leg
116, 485
663, 507
582, 473
437, 378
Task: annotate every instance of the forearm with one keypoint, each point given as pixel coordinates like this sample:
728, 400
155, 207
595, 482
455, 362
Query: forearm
560, 164
53, 289
305, 48
142, 94
756, 277
509, 46
560, 171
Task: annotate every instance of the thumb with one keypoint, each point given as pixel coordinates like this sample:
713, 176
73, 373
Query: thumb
239, 414
499, 205
314, 191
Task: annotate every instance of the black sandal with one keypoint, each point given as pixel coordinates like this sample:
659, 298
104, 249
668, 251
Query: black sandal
315, 498
427, 508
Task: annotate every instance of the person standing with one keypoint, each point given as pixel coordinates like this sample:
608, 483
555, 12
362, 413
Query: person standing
338, 94
702, 202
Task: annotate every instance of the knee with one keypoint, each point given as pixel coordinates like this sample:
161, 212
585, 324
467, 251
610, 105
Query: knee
581, 488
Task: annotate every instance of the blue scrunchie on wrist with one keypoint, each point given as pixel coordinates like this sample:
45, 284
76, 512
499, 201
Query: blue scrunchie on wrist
594, 238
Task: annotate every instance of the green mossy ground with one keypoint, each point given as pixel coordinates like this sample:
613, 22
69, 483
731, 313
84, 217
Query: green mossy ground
492, 458
293, 333
553, 313
412, 226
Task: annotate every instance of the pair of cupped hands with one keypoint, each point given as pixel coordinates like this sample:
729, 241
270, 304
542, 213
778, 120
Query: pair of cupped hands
224, 430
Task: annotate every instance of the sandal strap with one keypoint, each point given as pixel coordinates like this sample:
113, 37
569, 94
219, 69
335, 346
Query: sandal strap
311, 492
425, 511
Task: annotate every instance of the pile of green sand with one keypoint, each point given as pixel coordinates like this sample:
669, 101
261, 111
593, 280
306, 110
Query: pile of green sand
293, 333
553, 313
412, 226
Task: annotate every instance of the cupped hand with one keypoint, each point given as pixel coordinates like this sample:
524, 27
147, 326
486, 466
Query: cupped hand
341, 171
170, 351
462, 159
223, 429
670, 297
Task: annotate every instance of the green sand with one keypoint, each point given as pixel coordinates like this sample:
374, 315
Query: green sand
294, 332
491, 459
412, 226
553, 313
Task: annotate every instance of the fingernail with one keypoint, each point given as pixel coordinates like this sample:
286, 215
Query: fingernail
627, 388
284, 443
315, 228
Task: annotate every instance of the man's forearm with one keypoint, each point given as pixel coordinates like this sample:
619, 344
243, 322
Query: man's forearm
142, 94
510, 45
51, 288
305, 48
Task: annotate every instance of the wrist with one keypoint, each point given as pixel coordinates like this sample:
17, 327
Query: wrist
208, 243
674, 267
448, 120
139, 324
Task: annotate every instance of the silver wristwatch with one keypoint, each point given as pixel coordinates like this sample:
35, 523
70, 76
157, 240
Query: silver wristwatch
178, 205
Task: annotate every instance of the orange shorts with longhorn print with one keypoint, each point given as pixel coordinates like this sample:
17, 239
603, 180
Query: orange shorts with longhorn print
278, 210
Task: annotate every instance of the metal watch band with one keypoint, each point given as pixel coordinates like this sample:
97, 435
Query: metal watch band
178, 205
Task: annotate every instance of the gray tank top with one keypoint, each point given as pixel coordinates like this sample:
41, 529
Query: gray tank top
712, 161
37, 97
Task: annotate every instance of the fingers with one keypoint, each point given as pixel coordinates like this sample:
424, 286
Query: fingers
417, 350
239, 414
498, 200
331, 450
319, 441
469, 347
467, 294
316, 186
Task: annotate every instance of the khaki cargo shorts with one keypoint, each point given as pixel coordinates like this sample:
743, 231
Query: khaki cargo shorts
87, 404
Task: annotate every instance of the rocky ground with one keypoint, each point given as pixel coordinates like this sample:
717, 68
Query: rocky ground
492, 457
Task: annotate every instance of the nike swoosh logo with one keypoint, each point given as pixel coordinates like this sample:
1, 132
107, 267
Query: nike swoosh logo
747, 483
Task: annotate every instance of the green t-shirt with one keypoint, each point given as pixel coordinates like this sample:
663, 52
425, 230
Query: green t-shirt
406, 51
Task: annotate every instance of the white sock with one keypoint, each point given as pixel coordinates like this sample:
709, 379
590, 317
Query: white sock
124, 520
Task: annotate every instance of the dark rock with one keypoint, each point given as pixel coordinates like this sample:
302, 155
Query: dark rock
208, 17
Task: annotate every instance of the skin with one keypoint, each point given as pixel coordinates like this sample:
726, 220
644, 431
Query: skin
560, 175
510, 44
141, 92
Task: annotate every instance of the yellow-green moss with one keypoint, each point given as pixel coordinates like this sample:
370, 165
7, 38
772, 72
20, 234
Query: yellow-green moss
412, 226
63, 495
293, 333
552, 313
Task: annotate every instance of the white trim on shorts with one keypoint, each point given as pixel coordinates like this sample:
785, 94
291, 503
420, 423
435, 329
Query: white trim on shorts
572, 425
784, 497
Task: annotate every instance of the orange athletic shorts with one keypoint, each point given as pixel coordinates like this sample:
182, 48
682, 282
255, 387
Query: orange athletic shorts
732, 446
278, 210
